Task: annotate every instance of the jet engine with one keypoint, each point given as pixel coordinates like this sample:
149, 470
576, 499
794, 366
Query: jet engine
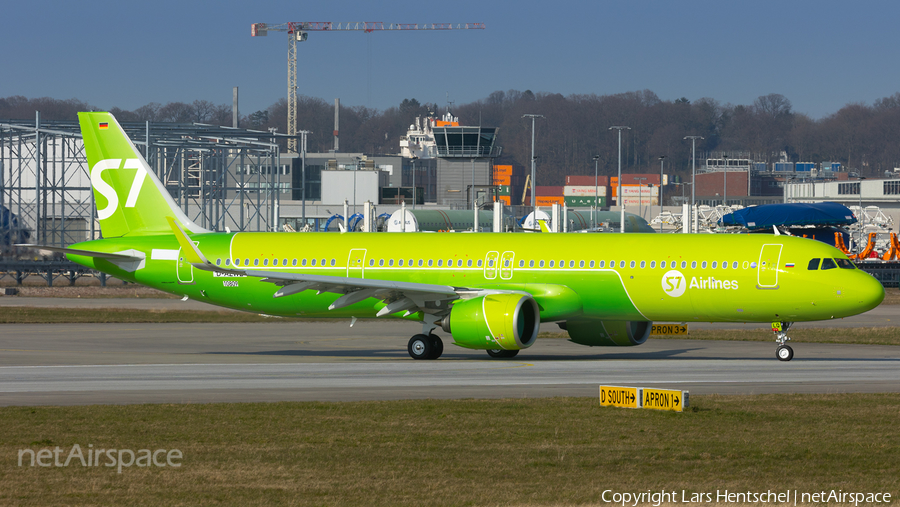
607, 333
495, 321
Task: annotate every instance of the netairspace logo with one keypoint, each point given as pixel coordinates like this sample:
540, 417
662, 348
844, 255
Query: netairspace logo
791, 497
90, 457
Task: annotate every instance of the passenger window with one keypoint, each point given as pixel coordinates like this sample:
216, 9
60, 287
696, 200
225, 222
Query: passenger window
246, 262
542, 263
380, 262
643, 264
400, 263
469, 263
256, 262
693, 264
506, 263
531, 264
734, 265
632, 263
274, 262
218, 262
725, 265
602, 263
293, 262
420, 263
521, 264
227, 262
284, 262
479, 263
663, 264
410, 263
391, 262
430, 263
562, 264
323, 262
237, 262
581, 264
714, 264
332, 262
845, 264
491, 263
828, 264
684, 264
592, 263
551, 264
813, 264
441, 262
652, 264
572, 264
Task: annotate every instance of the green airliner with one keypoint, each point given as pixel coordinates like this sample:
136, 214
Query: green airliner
489, 291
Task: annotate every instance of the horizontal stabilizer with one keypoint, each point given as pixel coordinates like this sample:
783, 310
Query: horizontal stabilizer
85, 253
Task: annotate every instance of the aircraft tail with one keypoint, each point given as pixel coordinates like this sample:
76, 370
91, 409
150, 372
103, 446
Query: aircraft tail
131, 201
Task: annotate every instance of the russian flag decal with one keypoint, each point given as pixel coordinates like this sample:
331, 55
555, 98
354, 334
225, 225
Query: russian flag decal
104, 126
789, 265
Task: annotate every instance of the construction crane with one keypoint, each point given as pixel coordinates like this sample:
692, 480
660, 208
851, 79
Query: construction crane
298, 31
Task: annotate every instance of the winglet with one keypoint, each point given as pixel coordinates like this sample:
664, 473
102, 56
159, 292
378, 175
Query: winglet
543, 225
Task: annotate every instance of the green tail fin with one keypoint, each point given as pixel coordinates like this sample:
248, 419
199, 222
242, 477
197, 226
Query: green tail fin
131, 201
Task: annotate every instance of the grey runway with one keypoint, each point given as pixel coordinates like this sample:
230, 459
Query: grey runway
325, 361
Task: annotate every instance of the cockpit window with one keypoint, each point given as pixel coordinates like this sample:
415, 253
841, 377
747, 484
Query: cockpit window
828, 264
845, 264
814, 264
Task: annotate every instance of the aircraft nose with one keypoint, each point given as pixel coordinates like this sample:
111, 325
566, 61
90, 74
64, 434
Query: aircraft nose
870, 291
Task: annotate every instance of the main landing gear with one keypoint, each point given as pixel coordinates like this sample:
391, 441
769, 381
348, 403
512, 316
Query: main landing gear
783, 352
425, 346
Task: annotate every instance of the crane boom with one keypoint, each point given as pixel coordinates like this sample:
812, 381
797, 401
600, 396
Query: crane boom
297, 31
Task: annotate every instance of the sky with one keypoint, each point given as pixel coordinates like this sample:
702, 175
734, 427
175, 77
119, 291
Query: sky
820, 55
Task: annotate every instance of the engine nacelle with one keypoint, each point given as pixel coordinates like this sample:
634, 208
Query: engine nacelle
495, 321
608, 333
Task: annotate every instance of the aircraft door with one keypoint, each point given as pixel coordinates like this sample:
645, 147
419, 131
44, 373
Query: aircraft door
490, 265
356, 262
506, 265
767, 268
184, 269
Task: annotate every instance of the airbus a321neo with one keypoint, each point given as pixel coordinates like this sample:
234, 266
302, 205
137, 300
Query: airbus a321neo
489, 291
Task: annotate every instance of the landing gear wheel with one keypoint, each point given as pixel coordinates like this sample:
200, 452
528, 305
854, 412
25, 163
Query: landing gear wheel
420, 347
502, 354
437, 346
784, 353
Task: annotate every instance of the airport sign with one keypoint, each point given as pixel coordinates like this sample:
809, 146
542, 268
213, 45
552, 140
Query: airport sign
616, 396
664, 399
669, 329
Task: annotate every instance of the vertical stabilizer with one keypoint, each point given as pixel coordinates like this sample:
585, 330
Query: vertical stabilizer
131, 201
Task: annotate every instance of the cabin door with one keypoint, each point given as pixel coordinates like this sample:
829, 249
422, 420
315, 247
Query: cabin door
767, 267
355, 263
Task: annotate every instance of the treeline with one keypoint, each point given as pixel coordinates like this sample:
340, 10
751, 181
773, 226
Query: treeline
574, 129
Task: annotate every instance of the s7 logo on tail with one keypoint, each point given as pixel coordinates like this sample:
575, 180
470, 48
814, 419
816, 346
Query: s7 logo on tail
109, 192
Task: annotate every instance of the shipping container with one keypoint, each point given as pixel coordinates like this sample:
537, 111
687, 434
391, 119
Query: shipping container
804, 166
640, 179
505, 199
577, 191
549, 191
584, 202
784, 167
586, 180
548, 200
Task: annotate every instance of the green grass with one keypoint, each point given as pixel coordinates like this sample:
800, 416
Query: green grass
557, 451
33, 315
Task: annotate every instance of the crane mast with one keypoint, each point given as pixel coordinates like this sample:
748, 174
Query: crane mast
298, 31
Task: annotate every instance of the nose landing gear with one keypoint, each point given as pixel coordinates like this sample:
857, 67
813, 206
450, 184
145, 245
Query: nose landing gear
783, 352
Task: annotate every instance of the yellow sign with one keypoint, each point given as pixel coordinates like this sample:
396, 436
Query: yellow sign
614, 396
664, 399
663, 329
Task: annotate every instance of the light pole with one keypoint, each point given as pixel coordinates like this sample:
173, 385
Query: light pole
725, 182
415, 191
694, 224
358, 160
621, 201
596, 200
662, 159
533, 187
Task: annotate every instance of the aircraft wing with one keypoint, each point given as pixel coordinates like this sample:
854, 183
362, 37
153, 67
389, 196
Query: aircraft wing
397, 296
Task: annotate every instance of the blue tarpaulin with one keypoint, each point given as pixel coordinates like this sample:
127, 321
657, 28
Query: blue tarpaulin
790, 215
